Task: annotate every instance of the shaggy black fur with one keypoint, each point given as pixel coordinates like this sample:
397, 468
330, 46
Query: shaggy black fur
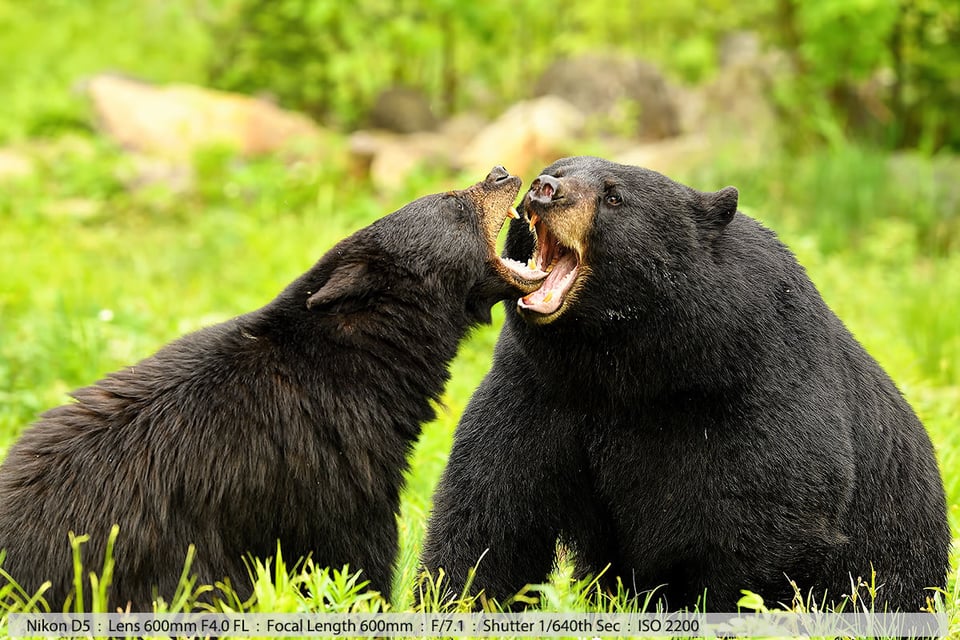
697, 419
291, 423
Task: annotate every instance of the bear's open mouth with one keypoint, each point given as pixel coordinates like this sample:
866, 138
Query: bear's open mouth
562, 265
526, 276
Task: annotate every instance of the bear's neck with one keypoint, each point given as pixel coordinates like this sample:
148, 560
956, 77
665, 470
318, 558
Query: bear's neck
389, 360
646, 367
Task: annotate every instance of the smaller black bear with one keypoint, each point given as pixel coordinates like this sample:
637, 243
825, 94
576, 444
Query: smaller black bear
291, 423
679, 406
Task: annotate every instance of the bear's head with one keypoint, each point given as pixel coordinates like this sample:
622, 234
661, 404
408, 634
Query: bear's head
620, 243
439, 252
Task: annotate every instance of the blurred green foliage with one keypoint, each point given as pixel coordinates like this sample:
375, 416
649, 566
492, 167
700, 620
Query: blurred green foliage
331, 58
879, 69
886, 71
48, 48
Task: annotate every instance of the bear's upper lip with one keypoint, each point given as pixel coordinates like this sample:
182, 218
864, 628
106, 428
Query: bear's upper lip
562, 264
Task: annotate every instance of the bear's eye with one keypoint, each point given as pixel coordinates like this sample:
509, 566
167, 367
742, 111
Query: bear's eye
613, 200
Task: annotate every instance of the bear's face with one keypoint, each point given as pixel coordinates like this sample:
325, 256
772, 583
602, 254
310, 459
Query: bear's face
451, 237
616, 240
441, 246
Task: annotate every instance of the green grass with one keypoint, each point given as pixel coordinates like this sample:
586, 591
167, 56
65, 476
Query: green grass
96, 277
51, 46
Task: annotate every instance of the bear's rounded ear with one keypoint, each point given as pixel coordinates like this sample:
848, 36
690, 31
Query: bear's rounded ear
717, 209
350, 280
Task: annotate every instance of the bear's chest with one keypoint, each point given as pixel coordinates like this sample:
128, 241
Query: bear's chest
675, 486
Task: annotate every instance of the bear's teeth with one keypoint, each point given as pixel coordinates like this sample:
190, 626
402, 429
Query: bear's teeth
531, 264
512, 212
548, 297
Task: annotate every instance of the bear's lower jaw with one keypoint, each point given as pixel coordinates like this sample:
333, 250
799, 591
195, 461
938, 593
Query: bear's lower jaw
523, 276
548, 299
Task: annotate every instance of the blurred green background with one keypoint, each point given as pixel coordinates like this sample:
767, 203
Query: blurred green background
330, 59
837, 120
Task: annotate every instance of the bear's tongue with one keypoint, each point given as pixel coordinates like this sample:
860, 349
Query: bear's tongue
549, 296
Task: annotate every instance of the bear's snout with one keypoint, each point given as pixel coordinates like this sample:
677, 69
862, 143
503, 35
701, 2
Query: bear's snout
545, 189
498, 174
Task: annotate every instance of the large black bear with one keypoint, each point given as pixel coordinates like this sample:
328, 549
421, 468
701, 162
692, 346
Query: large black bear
677, 402
290, 423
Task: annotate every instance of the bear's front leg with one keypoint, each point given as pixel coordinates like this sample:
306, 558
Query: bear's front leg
500, 505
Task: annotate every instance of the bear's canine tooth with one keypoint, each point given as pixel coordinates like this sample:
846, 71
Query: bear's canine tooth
532, 264
512, 213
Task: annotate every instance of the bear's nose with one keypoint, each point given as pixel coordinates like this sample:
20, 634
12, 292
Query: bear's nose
497, 174
545, 189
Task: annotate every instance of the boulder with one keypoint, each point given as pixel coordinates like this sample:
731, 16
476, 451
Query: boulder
616, 93
671, 157
736, 106
461, 128
388, 159
177, 120
15, 165
738, 48
402, 110
526, 136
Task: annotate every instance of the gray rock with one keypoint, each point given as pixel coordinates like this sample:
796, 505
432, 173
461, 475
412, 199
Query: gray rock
611, 89
525, 136
402, 110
